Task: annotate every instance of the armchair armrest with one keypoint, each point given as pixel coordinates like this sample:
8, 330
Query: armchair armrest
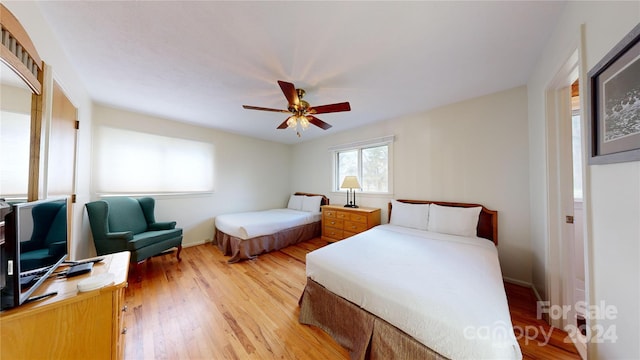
167, 225
115, 242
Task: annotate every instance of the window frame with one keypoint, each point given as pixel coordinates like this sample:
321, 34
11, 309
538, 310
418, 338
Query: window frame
359, 146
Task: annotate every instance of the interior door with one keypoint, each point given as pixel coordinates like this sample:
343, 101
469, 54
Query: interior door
61, 162
61, 153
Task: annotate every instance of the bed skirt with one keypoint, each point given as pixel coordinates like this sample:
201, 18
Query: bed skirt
363, 334
240, 249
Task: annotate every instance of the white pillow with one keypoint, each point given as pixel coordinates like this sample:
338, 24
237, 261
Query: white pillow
454, 220
295, 202
409, 215
311, 203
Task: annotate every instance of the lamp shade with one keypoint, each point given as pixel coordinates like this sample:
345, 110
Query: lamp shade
350, 182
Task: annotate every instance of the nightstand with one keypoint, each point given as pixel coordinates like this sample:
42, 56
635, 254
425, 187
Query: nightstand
340, 222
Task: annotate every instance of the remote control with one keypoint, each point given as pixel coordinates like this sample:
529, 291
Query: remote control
74, 263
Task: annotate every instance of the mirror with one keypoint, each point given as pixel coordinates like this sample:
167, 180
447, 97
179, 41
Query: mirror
15, 134
21, 66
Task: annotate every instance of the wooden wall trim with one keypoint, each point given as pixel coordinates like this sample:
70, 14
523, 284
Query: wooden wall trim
18, 52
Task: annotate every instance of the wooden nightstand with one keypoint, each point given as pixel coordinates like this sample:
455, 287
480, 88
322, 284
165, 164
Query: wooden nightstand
340, 222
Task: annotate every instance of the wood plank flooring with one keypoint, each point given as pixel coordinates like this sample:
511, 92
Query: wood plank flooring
204, 308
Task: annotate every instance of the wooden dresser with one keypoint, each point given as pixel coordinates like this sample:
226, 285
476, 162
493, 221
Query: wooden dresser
71, 324
339, 222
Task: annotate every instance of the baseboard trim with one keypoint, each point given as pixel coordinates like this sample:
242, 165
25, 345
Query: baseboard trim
196, 243
525, 284
536, 293
517, 282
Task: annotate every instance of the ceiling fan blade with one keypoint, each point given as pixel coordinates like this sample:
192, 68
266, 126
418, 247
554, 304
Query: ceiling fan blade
289, 91
284, 125
323, 109
264, 109
317, 122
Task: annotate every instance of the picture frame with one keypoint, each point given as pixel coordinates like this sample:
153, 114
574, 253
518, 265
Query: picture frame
613, 113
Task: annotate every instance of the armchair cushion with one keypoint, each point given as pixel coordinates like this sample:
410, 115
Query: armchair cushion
149, 237
125, 214
124, 223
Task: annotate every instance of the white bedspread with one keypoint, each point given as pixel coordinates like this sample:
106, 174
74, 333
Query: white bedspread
248, 225
445, 291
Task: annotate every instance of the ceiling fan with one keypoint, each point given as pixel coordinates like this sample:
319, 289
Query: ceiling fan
302, 114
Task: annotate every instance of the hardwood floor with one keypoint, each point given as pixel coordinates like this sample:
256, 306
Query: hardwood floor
537, 339
204, 308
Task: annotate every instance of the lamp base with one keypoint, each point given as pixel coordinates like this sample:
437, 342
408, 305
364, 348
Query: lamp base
351, 206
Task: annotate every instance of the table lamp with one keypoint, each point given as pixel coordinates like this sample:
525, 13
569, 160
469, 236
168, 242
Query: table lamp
350, 183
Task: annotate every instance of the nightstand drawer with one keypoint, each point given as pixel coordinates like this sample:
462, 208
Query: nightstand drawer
358, 218
333, 233
354, 227
336, 223
329, 213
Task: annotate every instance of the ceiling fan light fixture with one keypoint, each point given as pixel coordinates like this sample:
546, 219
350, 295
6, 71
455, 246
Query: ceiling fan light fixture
292, 122
304, 122
302, 113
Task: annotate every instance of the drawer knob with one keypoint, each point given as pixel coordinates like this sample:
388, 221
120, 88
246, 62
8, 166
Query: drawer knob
124, 331
125, 308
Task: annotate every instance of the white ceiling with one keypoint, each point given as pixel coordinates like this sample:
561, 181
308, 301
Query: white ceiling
199, 62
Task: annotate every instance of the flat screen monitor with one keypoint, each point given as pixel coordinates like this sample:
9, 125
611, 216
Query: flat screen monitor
35, 245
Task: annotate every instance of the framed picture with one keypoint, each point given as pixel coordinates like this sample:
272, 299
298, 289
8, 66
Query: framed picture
613, 91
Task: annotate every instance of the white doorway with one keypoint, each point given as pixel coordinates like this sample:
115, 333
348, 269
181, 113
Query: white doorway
565, 266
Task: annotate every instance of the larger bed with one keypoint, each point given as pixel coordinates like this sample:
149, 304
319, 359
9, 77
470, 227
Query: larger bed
411, 289
246, 235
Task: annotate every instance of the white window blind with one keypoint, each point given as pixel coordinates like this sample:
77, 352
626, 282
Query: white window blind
131, 162
15, 135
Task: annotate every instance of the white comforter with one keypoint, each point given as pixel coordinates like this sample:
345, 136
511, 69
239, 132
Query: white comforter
445, 291
248, 225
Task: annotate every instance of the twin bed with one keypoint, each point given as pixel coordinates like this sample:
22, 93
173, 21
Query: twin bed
246, 235
428, 285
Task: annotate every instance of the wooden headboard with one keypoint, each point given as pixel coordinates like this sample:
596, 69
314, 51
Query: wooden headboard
324, 201
487, 222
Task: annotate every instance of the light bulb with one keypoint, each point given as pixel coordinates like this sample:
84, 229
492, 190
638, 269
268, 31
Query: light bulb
304, 122
292, 122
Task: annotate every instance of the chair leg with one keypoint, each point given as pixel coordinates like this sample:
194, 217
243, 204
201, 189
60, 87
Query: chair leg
137, 270
178, 253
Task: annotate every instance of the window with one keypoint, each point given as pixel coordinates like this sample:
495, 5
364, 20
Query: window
369, 160
130, 162
577, 156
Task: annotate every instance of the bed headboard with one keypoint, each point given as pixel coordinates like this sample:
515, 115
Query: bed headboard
487, 222
324, 201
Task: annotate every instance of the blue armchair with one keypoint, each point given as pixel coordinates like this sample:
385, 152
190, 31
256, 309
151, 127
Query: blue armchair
128, 224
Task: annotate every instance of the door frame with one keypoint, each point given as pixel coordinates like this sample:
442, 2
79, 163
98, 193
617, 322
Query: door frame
560, 274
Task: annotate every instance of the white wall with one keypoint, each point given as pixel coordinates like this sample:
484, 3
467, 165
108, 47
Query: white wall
250, 174
473, 151
613, 191
28, 13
